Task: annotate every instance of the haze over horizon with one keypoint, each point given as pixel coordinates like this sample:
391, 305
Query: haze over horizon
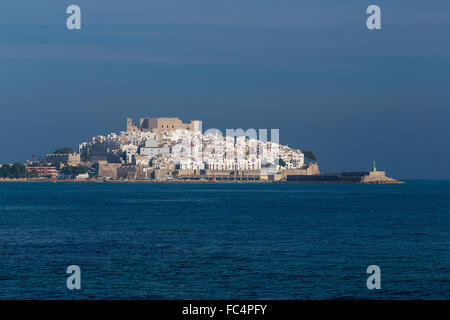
313, 70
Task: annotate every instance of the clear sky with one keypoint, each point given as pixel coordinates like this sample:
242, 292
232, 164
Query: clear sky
309, 68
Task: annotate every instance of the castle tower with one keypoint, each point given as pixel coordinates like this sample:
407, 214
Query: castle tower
130, 125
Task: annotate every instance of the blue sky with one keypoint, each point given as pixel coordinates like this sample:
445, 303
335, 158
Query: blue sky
309, 68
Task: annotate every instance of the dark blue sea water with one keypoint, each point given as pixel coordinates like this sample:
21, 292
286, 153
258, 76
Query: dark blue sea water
224, 241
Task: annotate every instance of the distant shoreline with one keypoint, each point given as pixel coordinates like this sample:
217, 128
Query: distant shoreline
190, 181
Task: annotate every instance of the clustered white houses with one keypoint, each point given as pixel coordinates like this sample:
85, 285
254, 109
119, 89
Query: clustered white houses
193, 150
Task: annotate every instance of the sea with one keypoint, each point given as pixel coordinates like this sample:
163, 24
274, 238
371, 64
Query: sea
225, 240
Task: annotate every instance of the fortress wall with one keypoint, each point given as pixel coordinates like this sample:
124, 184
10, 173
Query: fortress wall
312, 169
161, 173
186, 172
123, 172
108, 170
216, 173
140, 174
168, 124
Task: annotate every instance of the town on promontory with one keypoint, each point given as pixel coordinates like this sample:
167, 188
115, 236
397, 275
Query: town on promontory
169, 150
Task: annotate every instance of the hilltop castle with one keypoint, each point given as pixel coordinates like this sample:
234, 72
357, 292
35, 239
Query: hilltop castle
162, 124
